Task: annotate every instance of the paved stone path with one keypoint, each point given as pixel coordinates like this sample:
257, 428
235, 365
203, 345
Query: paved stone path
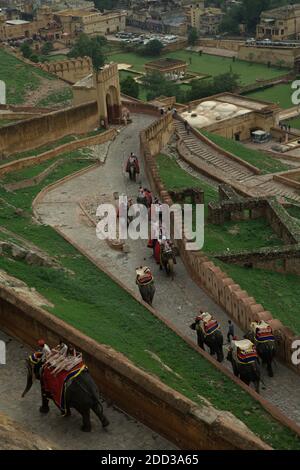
124, 432
177, 300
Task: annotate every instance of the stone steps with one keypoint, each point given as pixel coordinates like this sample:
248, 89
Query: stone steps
211, 156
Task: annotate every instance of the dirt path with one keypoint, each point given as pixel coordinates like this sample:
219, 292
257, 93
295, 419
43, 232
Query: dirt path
46, 88
179, 300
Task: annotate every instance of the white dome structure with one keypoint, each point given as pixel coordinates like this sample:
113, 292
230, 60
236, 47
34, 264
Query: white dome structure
226, 108
208, 104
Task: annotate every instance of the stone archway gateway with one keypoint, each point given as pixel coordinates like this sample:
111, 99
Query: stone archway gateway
108, 94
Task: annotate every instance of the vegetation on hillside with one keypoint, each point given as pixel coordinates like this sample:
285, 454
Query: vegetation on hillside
89, 300
265, 163
285, 298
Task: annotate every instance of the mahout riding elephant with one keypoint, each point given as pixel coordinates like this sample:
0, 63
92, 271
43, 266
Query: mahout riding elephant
167, 258
145, 282
265, 347
214, 341
247, 372
80, 391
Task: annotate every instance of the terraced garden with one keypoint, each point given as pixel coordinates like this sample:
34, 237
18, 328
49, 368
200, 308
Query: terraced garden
285, 298
89, 300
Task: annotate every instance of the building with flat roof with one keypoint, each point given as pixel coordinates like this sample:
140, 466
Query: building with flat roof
231, 116
173, 69
279, 23
91, 21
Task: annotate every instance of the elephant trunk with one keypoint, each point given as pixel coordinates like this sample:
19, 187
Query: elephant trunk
29, 379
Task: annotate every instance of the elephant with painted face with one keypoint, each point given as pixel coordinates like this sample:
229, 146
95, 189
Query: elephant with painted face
265, 342
210, 335
245, 362
78, 389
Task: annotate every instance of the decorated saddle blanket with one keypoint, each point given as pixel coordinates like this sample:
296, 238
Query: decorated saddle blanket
245, 351
143, 275
263, 332
210, 327
55, 384
133, 161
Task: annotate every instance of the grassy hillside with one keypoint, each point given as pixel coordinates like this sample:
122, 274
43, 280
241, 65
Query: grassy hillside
89, 300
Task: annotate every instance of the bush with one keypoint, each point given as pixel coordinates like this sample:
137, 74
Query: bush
130, 87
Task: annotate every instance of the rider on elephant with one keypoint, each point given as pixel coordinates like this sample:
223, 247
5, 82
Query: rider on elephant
245, 363
132, 160
209, 333
65, 379
262, 336
145, 282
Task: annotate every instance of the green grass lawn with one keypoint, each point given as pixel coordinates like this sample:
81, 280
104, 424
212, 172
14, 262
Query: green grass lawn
285, 299
264, 162
89, 300
19, 77
61, 97
294, 123
206, 64
278, 94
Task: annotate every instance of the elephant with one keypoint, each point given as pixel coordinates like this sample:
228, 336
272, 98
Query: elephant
81, 393
266, 351
132, 171
147, 292
214, 341
248, 373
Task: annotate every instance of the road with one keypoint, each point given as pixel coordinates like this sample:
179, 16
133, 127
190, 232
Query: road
178, 300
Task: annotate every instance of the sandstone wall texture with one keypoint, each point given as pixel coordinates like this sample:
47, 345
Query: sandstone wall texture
32, 133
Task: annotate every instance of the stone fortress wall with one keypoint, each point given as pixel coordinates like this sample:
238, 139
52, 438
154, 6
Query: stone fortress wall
70, 70
225, 291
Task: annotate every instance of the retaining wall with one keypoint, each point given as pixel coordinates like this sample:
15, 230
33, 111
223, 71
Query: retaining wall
141, 395
36, 159
32, 133
238, 303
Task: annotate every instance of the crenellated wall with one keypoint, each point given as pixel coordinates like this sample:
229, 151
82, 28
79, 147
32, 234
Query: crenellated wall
225, 291
70, 70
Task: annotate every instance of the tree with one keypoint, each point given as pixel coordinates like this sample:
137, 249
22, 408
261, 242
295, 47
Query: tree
192, 36
47, 48
152, 48
130, 87
156, 85
90, 47
26, 50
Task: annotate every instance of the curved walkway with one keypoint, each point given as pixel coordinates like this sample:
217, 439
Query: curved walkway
177, 301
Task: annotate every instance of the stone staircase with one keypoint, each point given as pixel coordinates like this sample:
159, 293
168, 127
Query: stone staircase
209, 155
260, 185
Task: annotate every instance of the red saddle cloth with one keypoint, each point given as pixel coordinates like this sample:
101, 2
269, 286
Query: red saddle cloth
247, 357
55, 384
145, 279
264, 334
137, 166
211, 326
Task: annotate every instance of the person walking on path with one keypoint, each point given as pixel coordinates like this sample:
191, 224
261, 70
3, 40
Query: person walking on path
230, 331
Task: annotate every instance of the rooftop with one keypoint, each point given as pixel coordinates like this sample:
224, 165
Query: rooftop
165, 63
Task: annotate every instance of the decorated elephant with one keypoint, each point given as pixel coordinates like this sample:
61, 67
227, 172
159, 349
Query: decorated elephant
209, 333
66, 380
262, 336
145, 282
245, 363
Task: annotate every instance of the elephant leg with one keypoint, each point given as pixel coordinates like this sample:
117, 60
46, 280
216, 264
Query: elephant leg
270, 369
257, 386
86, 421
220, 354
45, 404
98, 410
200, 341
